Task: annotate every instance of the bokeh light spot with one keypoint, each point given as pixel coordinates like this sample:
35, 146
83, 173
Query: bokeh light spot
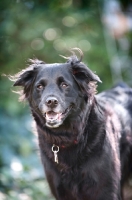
23, 196
84, 45
50, 34
16, 166
59, 44
37, 44
69, 21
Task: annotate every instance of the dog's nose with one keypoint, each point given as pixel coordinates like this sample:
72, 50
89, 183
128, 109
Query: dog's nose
51, 102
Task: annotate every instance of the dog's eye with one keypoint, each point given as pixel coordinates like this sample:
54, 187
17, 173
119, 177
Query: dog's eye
64, 85
40, 87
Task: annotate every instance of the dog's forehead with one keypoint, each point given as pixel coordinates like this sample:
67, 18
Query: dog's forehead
54, 70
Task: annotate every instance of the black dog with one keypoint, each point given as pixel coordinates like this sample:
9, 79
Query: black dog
85, 139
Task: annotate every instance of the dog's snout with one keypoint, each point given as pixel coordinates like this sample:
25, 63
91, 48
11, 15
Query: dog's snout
51, 102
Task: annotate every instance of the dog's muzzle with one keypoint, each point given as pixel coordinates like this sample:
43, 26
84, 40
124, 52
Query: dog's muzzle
55, 119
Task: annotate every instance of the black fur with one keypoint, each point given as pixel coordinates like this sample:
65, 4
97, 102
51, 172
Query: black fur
93, 132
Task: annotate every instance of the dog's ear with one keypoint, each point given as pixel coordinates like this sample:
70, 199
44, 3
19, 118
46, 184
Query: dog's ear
25, 78
84, 76
81, 72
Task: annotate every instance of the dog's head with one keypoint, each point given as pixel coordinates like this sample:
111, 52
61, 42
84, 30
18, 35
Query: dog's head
57, 92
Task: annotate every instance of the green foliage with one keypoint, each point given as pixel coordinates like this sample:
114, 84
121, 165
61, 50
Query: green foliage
38, 31
42, 29
21, 171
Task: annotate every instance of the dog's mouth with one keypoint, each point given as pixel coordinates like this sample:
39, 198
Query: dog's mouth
55, 119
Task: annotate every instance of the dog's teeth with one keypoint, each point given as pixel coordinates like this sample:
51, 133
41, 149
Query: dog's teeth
53, 116
50, 116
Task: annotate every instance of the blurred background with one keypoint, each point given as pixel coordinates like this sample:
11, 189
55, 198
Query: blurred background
45, 29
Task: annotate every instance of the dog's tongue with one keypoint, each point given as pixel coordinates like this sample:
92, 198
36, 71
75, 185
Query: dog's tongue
52, 115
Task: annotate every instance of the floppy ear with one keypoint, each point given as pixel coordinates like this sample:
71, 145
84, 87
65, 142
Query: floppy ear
84, 77
25, 78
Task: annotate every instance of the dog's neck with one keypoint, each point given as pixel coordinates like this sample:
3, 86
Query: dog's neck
68, 140
68, 134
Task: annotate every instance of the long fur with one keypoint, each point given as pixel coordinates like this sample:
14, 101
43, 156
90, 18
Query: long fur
95, 137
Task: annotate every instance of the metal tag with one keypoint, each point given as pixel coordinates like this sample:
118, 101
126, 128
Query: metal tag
55, 150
